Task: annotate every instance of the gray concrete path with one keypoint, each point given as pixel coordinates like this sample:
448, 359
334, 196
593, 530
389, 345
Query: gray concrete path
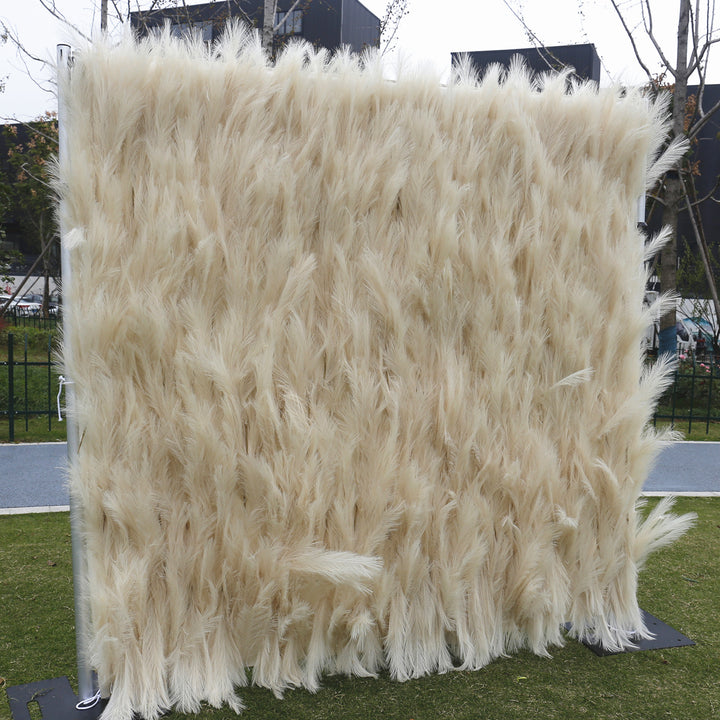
32, 476
686, 467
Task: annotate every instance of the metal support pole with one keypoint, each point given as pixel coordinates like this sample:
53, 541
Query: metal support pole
87, 682
641, 210
11, 386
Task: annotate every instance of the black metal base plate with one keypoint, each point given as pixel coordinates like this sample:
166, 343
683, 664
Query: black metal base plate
664, 637
56, 699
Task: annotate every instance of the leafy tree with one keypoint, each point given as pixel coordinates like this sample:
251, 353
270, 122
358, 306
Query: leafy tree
7, 255
25, 189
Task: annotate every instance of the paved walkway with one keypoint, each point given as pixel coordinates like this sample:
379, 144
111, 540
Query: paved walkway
686, 468
32, 476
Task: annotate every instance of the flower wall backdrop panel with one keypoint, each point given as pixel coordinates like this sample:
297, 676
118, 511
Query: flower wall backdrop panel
357, 366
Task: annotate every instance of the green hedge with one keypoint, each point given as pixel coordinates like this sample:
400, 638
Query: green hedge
38, 341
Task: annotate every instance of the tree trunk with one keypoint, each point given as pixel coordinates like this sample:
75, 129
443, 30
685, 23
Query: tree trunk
45, 308
45, 246
268, 26
668, 263
673, 186
103, 15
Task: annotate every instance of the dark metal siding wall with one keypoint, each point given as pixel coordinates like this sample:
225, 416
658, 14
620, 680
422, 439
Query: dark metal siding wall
325, 23
583, 58
360, 27
246, 10
321, 23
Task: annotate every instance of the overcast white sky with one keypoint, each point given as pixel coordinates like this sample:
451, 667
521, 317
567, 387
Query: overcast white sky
432, 30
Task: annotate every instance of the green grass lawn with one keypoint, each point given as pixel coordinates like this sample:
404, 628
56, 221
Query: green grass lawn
37, 430
35, 386
697, 432
680, 585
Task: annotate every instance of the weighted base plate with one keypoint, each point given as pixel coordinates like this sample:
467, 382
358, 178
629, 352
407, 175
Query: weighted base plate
664, 637
56, 699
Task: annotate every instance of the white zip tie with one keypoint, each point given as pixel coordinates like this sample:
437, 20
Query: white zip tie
62, 382
89, 703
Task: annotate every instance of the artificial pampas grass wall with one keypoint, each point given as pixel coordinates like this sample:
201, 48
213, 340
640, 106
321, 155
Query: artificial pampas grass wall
357, 367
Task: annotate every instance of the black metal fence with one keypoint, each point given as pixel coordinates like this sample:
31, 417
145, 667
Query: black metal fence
31, 321
693, 399
28, 386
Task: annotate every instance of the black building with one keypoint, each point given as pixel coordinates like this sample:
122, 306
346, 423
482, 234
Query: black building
329, 24
705, 157
583, 58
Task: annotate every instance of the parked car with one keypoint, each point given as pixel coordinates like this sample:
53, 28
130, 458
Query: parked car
26, 306
701, 334
694, 336
35, 304
685, 340
691, 329
4, 299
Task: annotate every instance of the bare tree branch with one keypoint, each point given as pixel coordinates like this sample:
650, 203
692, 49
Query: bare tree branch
24, 168
696, 59
15, 41
540, 46
651, 35
629, 33
705, 117
24, 280
32, 126
528, 30
656, 198
701, 53
694, 36
118, 12
708, 196
24, 55
51, 7
395, 11
279, 25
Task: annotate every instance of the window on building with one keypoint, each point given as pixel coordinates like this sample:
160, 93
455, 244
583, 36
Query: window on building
289, 23
203, 30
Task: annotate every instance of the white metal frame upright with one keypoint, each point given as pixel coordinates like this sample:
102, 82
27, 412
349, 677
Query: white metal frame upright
87, 681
